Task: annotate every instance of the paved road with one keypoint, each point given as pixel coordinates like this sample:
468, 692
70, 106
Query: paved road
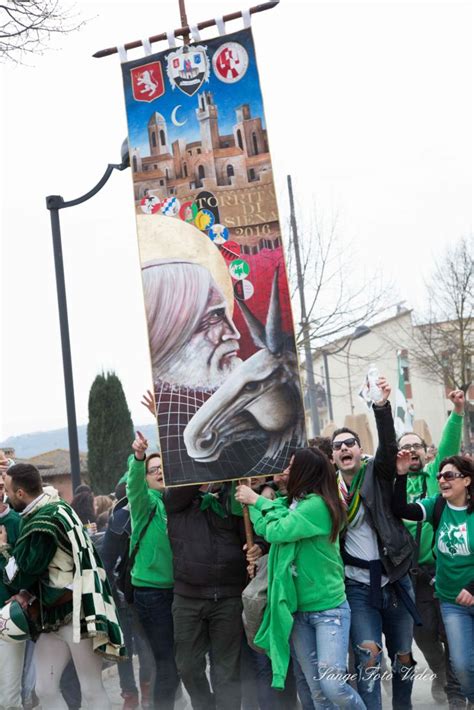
421, 698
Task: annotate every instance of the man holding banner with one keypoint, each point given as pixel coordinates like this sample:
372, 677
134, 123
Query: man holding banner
210, 572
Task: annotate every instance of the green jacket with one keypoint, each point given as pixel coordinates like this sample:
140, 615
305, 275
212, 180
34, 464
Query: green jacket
305, 571
449, 445
11, 520
154, 562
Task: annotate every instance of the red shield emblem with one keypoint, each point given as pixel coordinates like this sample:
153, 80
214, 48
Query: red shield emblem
147, 82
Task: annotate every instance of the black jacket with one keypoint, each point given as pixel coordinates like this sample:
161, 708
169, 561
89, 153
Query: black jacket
116, 541
396, 545
208, 560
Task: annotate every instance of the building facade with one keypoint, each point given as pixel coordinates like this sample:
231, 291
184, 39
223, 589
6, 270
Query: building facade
345, 363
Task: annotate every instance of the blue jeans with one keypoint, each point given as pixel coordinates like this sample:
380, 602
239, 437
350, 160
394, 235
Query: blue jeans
135, 642
266, 697
368, 624
154, 611
320, 640
459, 625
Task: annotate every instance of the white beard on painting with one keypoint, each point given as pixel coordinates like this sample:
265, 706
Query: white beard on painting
199, 366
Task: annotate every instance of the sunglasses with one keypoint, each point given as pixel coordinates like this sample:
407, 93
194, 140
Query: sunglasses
409, 447
336, 445
449, 475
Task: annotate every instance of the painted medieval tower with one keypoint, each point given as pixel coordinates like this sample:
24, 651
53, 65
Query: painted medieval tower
235, 169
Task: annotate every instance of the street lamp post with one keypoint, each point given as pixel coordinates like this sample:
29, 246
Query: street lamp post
54, 203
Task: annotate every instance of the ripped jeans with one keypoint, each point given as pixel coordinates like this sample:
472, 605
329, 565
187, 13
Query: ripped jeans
319, 641
367, 625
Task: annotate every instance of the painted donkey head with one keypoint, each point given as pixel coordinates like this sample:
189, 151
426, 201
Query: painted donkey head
260, 399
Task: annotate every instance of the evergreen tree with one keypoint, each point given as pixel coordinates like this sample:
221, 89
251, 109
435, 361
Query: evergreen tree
109, 432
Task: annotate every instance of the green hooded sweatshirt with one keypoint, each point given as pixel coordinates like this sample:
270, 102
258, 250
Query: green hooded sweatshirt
449, 445
154, 562
305, 571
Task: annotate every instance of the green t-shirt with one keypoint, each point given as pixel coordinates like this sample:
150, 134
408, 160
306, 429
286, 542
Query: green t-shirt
449, 445
454, 549
318, 567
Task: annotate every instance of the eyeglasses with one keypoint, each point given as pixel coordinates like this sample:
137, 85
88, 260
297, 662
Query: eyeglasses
154, 469
336, 445
409, 447
449, 475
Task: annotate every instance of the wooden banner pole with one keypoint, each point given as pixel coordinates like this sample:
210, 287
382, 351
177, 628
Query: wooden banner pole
184, 31
248, 527
184, 19
246, 515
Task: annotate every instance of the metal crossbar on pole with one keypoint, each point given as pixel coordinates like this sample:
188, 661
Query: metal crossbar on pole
185, 31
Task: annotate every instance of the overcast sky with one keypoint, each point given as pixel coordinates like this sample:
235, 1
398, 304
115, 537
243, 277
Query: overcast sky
368, 106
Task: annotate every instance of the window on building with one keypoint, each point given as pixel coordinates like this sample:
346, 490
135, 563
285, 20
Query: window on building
198, 151
185, 170
230, 171
254, 143
167, 173
239, 140
251, 175
201, 172
404, 365
162, 137
190, 152
153, 139
162, 182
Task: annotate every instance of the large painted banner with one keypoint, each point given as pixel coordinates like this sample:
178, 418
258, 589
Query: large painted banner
217, 303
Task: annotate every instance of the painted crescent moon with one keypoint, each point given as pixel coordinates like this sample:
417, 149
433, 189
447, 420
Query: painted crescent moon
173, 116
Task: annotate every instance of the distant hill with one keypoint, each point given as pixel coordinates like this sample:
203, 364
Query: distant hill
27, 445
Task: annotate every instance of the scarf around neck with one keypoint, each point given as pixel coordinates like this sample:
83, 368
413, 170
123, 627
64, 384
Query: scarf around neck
350, 496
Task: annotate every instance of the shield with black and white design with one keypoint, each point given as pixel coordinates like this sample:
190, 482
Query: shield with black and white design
188, 68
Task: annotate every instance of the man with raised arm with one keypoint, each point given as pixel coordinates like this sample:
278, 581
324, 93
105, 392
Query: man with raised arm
377, 552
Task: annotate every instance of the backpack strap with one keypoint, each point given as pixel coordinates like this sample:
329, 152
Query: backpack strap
141, 536
439, 506
419, 525
438, 512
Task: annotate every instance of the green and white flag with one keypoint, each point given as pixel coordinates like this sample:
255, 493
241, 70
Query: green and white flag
403, 415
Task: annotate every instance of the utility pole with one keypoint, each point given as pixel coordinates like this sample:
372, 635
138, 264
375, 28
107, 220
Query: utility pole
313, 405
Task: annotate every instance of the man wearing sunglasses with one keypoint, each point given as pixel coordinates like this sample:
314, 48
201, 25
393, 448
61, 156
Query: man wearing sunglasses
422, 483
377, 551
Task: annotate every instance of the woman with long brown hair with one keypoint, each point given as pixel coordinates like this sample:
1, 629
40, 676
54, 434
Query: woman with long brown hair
306, 593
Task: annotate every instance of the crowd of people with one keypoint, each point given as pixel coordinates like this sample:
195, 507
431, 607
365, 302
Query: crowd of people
363, 555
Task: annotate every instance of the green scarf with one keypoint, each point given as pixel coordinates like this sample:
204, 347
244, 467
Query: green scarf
351, 496
210, 501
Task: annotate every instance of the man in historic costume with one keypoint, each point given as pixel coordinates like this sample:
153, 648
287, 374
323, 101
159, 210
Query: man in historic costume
55, 563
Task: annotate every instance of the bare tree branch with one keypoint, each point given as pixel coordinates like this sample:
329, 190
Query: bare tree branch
441, 339
26, 26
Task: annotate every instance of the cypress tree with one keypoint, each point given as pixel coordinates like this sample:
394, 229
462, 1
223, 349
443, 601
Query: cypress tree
109, 433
